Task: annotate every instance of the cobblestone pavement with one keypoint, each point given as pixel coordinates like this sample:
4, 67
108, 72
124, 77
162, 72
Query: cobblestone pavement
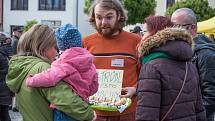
15, 116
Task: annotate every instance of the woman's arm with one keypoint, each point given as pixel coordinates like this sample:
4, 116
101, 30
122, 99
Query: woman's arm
67, 101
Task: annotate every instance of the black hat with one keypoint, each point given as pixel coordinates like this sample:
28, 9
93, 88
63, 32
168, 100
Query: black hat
17, 28
137, 29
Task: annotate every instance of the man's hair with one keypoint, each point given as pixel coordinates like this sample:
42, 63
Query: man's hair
137, 29
17, 28
157, 23
189, 15
109, 4
38, 39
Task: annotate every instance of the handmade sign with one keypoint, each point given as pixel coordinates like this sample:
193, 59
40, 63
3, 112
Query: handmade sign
108, 95
110, 83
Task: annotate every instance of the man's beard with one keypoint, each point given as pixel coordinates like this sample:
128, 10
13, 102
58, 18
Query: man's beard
107, 31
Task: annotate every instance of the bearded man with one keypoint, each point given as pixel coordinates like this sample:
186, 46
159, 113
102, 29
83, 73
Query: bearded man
115, 49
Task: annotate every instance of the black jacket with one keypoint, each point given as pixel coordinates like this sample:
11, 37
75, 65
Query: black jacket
204, 58
5, 93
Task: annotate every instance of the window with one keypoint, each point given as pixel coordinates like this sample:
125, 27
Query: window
19, 4
52, 4
170, 3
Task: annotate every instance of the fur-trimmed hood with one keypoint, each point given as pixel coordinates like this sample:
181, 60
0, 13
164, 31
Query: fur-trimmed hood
178, 39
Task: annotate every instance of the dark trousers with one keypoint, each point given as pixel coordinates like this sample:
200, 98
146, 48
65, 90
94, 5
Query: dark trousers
4, 114
210, 115
210, 111
126, 117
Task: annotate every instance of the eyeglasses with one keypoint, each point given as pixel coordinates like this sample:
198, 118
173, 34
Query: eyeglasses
186, 26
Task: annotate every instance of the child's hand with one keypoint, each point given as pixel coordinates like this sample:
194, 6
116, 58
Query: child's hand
95, 116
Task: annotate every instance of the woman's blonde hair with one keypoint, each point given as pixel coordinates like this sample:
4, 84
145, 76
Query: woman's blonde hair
37, 40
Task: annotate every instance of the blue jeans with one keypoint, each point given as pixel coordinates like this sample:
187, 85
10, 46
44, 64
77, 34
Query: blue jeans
61, 116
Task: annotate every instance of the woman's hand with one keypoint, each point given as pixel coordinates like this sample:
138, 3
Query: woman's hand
128, 92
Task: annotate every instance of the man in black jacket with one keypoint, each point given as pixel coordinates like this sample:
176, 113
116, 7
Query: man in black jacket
5, 93
204, 57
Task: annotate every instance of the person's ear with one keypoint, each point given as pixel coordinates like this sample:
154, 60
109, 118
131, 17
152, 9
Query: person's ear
119, 16
193, 27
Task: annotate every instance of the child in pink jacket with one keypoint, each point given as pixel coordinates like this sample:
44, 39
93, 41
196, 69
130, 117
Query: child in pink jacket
74, 66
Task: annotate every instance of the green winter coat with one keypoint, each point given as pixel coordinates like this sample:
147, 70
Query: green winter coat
33, 103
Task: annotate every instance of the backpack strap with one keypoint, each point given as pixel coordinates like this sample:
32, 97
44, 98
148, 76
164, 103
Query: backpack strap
176, 99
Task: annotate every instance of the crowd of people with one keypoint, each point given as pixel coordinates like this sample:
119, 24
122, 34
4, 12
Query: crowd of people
168, 73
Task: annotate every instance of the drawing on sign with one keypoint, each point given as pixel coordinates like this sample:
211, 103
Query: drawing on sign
110, 85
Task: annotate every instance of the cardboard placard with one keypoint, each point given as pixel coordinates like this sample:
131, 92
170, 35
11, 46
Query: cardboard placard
110, 84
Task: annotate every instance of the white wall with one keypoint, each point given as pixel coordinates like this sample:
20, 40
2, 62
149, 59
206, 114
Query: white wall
19, 17
83, 23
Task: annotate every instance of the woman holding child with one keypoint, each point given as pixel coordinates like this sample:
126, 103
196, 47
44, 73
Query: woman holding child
35, 52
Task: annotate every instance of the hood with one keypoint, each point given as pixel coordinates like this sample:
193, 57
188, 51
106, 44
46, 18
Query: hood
78, 57
203, 42
174, 41
19, 67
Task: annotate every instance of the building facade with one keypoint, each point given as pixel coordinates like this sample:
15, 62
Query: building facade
56, 13
51, 12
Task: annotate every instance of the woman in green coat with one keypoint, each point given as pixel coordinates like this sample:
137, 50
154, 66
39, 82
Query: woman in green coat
35, 51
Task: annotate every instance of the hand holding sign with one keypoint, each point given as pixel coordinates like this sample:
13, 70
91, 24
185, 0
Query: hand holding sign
108, 95
128, 92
